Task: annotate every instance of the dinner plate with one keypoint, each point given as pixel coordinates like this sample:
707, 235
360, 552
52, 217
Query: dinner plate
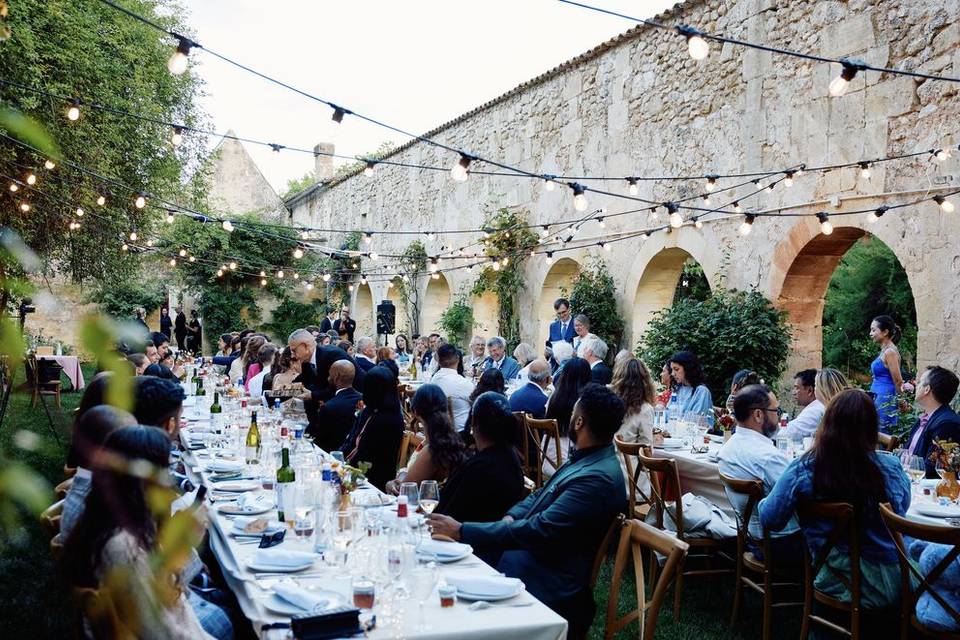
233, 510
276, 604
935, 510
445, 559
669, 443
476, 596
240, 523
238, 486
253, 565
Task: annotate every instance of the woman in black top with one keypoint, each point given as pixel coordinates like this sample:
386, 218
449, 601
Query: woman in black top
195, 335
378, 430
166, 323
576, 375
490, 380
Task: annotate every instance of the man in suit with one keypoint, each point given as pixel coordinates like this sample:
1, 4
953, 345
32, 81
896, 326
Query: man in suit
345, 325
180, 328
366, 353
532, 397
561, 329
594, 350
327, 323
934, 393
315, 363
335, 416
498, 359
551, 538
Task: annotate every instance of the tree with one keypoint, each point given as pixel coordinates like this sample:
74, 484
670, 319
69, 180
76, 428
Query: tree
297, 185
692, 283
594, 295
413, 265
728, 331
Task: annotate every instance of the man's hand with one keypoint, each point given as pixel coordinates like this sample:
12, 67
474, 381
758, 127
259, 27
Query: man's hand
444, 526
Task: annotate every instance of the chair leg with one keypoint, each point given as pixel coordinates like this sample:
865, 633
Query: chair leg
737, 592
767, 603
807, 612
58, 399
677, 593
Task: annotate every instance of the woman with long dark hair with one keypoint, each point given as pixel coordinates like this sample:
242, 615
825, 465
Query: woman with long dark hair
886, 370
490, 380
442, 451
378, 430
844, 466
692, 394
404, 354
112, 547
576, 376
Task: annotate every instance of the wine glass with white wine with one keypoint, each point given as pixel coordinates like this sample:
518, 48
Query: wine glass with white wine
429, 496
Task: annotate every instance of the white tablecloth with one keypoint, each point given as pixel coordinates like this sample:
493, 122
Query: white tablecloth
71, 367
535, 622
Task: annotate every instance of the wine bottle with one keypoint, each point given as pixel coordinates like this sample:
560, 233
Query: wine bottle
253, 441
216, 413
285, 483
200, 391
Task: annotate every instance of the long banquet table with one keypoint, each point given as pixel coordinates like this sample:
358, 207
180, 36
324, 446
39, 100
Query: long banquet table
533, 622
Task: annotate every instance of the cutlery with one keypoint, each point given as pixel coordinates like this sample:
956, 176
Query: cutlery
480, 605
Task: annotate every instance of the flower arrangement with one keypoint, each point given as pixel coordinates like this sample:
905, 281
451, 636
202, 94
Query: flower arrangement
350, 477
946, 455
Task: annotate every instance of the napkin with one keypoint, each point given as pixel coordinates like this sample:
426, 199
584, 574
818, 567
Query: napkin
252, 501
297, 596
281, 558
443, 549
242, 521
486, 586
225, 466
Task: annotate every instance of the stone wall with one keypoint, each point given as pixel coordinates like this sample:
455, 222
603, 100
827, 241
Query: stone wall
640, 105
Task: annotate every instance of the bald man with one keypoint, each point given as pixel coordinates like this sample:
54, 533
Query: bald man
335, 416
532, 397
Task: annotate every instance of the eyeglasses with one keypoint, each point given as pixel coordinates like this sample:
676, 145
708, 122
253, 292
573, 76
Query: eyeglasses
778, 410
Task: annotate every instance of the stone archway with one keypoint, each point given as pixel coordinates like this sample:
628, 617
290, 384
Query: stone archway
363, 312
558, 282
657, 286
436, 299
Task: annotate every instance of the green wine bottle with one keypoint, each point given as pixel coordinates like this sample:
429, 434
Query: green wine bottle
216, 411
285, 483
200, 391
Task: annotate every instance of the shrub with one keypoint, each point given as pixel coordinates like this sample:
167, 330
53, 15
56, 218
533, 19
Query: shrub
119, 298
291, 315
457, 321
728, 331
593, 295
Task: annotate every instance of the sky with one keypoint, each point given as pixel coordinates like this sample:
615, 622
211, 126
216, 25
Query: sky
414, 64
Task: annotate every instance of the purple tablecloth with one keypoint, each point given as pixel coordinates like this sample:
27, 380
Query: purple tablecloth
71, 367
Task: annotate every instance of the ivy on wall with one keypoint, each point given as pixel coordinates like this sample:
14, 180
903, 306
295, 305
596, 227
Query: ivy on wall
412, 265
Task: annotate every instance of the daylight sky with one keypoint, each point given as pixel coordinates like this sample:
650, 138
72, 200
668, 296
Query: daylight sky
412, 63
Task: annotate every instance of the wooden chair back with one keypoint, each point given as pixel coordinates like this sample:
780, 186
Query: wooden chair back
541, 433
887, 442
664, 481
613, 533
404, 453
753, 490
522, 444
899, 527
50, 518
37, 385
635, 537
845, 530
637, 496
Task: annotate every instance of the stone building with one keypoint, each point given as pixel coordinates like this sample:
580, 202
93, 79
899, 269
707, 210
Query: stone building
640, 105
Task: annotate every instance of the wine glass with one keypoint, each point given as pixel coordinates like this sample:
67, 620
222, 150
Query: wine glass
916, 468
429, 496
423, 578
409, 489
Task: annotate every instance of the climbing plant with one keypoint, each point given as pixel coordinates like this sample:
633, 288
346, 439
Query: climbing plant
457, 321
593, 294
412, 263
508, 245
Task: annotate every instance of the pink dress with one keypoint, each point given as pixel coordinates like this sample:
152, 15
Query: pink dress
252, 370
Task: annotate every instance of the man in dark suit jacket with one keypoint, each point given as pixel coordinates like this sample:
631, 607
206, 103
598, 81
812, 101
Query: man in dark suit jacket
594, 351
327, 323
180, 328
315, 363
935, 391
551, 538
561, 329
334, 418
345, 325
532, 397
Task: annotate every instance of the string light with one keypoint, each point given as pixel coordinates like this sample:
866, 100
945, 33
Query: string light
826, 227
838, 86
177, 137
280, 273
865, 170
263, 282
605, 246
600, 221
350, 287
183, 253
431, 235
25, 206
706, 200
338, 113
49, 165
177, 63
149, 243
747, 225
101, 200
227, 226
459, 170
124, 247
941, 154
875, 215
141, 201
737, 208
435, 276
298, 253
326, 277
296, 276
374, 256
363, 279
309, 286
219, 273
262, 273
549, 184
496, 265
632, 187
549, 257
697, 223
770, 186
711, 183
368, 170
173, 262
697, 45
434, 265
170, 218
368, 237
193, 259
945, 205
233, 266
79, 212
73, 111
676, 220
788, 178
13, 187
31, 179
579, 199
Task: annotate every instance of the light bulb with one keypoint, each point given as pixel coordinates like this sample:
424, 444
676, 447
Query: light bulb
549, 257
73, 112
298, 253
769, 188
183, 253
697, 223
632, 187
602, 223
826, 227
219, 273
545, 231
326, 277
133, 236
14, 188
431, 235
390, 285
280, 273
865, 170
193, 259
374, 256
368, 170
711, 183
788, 180
101, 200
459, 170
435, 276
737, 208
368, 237
49, 164
79, 212
839, 85
140, 202
263, 282
606, 246
227, 226
309, 286
496, 265
549, 184
747, 225
296, 276
31, 179
24, 206
579, 199
338, 113
149, 243
872, 217
124, 247
697, 46
434, 265
173, 262
262, 273
945, 205
177, 63
941, 154
233, 266
676, 220
706, 200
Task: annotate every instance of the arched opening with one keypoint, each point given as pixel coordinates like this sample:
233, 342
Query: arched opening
485, 308
832, 289
402, 323
558, 283
669, 275
363, 312
435, 302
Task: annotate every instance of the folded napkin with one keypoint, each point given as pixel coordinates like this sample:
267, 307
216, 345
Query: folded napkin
242, 521
443, 549
486, 586
299, 597
252, 501
225, 466
282, 558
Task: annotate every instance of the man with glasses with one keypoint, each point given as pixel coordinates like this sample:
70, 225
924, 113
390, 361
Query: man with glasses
345, 325
750, 454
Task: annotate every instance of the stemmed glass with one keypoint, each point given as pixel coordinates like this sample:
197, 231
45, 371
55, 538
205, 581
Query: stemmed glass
409, 489
429, 496
423, 578
916, 468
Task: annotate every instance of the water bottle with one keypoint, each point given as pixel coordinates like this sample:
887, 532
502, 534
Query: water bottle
672, 416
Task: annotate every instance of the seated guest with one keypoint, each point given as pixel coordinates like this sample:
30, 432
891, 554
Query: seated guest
498, 359
632, 384
550, 539
314, 330
168, 361
667, 386
161, 342
484, 487
158, 403
828, 383
804, 394
89, 434
223, 344
693, 394
429, 352
454, 386
562, 352
139, 362
347, 347
442, 450
151, 352
934, 392
336, 416
159, 371
594, 350
366, 353
844, 466
566, 392
741, 379
116, 540
284, 370
265, 358
532, 397
227, 349
750, 454
524, 354
403, 352
387, 357
473, 363
378, 430
94, 395
251, 364
237, 368
622, 356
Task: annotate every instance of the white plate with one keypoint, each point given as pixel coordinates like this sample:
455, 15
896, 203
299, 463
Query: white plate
477, 596
670, 443
272, 568
935, 510
278, 605
444, 559
240, 523
233, 510
235, 486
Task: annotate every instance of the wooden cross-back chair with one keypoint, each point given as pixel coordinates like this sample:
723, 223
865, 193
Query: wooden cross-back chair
766, 568
542, 433
50, 518
635, 537
39, 384
522, 444
665, 481
638, 480
898, 526
846, 529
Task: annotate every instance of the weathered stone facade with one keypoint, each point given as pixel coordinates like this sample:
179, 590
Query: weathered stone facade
639, 105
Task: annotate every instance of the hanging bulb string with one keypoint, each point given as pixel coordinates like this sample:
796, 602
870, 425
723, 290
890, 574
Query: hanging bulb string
680, 30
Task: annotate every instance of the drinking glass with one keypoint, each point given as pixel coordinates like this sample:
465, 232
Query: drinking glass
410, 490
429, 496
302, 506
423, 578
915, 467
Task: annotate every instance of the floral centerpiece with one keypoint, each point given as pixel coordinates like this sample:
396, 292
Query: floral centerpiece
946, 456
349, 478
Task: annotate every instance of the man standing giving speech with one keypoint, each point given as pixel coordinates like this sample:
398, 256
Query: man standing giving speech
561, 329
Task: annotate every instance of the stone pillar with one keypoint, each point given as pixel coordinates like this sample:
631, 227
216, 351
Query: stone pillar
323, 164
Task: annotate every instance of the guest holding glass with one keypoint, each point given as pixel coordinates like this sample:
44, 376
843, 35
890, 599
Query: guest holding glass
692, 394
934, 392
887, 380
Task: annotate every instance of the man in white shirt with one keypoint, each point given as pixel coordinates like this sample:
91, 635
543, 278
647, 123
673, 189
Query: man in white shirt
806, 423
455, 387
750, 454
473, 363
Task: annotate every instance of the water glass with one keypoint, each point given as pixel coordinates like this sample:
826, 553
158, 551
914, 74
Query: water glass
423, 578
410, 490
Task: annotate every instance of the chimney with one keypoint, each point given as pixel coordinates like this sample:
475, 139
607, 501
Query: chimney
323, 164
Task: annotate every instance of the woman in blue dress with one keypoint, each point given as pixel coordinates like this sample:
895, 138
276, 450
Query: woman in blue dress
886, 371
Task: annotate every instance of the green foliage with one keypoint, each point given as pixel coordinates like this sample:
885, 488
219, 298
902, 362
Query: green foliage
291, 315
869, 281
507, 240
225, 310
344, 268
594, 295
457, 321
297, 185
385, 149
728, 331
692, 282
413, 265
119, 298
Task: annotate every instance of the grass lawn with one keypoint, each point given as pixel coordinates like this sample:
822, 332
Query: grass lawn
34, 604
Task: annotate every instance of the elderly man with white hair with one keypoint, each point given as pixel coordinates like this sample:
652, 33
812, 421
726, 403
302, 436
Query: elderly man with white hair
498, 359
473, 361
594, 350
366, 353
